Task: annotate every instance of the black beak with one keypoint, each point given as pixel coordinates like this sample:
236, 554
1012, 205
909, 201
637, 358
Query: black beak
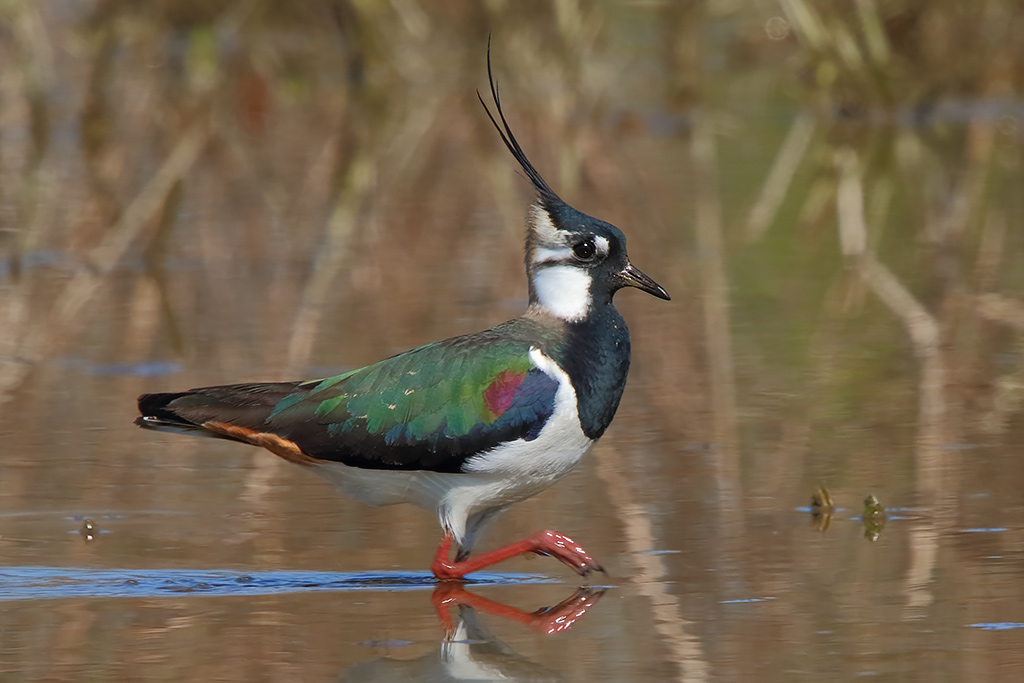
631, 276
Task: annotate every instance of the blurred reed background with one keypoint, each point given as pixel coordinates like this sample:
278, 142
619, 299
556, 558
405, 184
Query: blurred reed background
196, 192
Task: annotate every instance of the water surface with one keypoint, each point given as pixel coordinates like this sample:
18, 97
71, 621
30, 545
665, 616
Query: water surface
246, 191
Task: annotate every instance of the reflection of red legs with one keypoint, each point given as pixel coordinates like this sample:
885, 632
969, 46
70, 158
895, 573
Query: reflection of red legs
543, 543
547, 620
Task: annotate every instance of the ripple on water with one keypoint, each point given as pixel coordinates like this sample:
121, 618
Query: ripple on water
42, 583
998, 625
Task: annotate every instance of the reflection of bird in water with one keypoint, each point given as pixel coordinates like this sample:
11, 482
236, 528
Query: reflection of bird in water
470, 652
467, 426
547, 620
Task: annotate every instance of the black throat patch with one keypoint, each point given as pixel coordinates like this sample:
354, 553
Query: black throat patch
595, 355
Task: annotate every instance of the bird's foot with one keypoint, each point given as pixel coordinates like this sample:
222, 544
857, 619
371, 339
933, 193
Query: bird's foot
550, 543
566, 550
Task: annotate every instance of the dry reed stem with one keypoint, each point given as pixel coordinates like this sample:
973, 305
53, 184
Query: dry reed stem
780, 177
715, 297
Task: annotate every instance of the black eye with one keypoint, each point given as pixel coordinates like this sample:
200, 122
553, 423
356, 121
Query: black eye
585, 250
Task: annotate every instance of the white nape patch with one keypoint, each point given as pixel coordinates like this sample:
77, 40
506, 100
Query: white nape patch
563, 291
550, 245
545, 233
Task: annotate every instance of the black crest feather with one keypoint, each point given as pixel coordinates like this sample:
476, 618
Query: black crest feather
547, 195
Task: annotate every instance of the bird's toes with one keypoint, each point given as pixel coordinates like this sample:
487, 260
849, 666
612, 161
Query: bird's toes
567, 551
589, 568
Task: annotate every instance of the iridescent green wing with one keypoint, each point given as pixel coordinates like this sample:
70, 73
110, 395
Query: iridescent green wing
430, 408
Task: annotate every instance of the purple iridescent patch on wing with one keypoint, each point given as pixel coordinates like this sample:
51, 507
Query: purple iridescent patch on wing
500, 393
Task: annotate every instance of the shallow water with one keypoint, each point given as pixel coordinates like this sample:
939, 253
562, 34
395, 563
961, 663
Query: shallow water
269, 192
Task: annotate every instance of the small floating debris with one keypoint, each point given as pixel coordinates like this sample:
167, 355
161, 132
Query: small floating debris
874, 518
822, 509
88, 530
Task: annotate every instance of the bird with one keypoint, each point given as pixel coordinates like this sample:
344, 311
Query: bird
470, 425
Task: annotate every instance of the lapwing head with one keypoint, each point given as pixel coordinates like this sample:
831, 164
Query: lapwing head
574, 262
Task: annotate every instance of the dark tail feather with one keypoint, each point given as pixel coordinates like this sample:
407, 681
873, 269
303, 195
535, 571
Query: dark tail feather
244, 405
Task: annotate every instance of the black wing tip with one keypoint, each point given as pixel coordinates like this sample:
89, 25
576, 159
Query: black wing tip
549, 198
156, 414
151, 404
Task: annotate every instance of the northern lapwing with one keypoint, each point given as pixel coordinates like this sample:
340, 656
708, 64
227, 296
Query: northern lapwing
469, 425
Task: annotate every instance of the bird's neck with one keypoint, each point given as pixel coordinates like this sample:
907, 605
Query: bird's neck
595, 355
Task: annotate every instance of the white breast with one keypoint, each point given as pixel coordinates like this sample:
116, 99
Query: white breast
557, 448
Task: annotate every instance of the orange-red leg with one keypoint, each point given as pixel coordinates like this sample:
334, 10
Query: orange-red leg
548, 620
550, 543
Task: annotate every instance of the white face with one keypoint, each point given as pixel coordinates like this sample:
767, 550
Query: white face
561, 281
563, 291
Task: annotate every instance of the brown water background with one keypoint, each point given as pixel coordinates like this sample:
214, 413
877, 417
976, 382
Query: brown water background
195, 193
